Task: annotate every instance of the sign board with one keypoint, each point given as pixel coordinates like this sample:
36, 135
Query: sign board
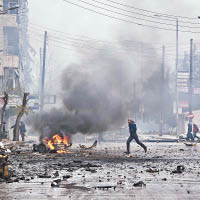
190, 116
183, 104
14, 101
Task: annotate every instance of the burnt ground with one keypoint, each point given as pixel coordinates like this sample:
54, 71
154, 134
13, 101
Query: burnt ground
105, 173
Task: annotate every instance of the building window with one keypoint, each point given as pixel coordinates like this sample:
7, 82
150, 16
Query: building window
11, 40
8, 4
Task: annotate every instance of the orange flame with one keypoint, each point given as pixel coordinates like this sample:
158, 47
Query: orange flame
50, 145
57, 139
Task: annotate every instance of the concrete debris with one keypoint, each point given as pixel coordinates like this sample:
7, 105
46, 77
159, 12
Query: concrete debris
180, 169
1, 145
87, 148
152, 170
139, 184
103, 187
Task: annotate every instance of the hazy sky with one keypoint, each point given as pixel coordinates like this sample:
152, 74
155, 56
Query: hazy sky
61, 16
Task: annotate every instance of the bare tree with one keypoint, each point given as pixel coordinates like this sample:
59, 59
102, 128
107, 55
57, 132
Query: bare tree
19, 116
3, 110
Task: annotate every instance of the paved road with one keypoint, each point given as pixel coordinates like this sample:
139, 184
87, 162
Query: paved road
107, 166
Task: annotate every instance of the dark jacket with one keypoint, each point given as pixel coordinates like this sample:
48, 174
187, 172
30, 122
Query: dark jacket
132, 128
22, 128
189, 128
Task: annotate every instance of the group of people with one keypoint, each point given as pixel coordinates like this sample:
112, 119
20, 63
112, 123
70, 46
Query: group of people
22, 130
192, 132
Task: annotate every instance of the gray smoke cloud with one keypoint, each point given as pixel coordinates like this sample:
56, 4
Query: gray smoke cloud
98, 96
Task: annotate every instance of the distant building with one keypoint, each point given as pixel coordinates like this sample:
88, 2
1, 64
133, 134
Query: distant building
183, 80
14, 52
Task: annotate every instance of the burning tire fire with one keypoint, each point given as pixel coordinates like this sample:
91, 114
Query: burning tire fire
56, 144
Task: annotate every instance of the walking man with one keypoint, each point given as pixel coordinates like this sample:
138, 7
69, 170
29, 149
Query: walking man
133, 135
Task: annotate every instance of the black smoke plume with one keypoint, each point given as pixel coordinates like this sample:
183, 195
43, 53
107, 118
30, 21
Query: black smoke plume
98, 96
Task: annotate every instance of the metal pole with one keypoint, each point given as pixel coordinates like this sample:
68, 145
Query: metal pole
176, 73
162, 82
40, 74
141, 71
190, 80
43, 72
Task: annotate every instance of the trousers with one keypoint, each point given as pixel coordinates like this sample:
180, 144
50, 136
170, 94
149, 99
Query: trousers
190, 137
135, 137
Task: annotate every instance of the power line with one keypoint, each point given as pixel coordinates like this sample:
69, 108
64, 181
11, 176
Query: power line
124, 20
94, 41
163, 23
149, 11
122, 47
42, 28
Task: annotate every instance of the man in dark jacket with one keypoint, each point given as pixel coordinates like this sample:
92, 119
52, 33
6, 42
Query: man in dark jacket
22, 130
189, 133
133, 135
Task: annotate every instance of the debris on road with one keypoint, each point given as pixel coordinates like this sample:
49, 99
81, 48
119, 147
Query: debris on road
152, 170
139, 184
91, 147
180, 169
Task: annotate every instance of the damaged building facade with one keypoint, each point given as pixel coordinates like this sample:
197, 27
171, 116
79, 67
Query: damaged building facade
14, 60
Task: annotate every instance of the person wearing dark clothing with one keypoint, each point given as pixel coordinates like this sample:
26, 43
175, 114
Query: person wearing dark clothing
195, 131
189, 133
22, 130
133, 135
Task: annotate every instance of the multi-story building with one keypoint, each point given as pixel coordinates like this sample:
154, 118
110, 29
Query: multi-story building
14, 58
13, 44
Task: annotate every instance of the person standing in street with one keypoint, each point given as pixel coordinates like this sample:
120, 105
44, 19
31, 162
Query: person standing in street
133, 135
195, 131
22, 130
189, 133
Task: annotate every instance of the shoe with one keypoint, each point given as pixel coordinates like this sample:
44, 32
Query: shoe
145, 149
127, 152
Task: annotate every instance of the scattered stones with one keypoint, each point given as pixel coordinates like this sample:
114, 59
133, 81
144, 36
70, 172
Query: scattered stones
105, 187
139, 184
44, 176
180, 169
66, 176
54, 184
152, 170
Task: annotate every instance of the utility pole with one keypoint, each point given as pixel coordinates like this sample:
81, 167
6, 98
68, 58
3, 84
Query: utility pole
43, 73
134, 99
176, 76
190, 80
40, 74
141, 107
162, 82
